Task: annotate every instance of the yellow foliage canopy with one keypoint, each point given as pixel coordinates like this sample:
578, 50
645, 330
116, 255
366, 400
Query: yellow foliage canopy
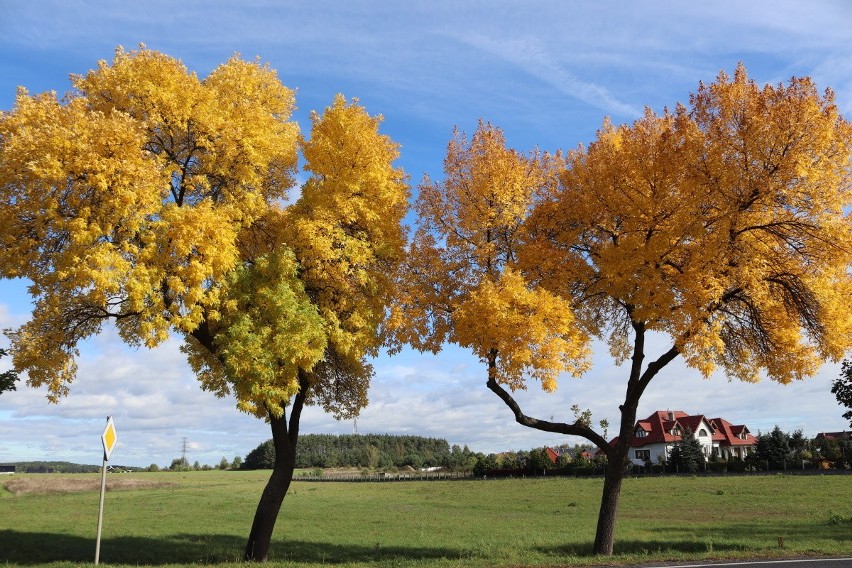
155, 199
721, 225
459, 284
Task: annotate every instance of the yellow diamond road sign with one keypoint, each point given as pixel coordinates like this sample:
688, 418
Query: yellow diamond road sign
109, 438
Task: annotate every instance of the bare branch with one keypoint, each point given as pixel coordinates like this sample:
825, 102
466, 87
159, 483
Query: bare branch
576, 429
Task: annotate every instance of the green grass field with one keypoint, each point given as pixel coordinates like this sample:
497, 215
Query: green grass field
204, 518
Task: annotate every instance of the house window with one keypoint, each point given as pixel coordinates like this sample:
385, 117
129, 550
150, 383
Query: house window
640, 433
702, 433
644, 455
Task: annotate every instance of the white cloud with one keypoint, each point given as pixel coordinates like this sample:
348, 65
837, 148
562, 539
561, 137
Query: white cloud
156, 402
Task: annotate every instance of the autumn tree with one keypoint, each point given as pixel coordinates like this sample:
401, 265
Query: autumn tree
720, 227
158, 201
460, 283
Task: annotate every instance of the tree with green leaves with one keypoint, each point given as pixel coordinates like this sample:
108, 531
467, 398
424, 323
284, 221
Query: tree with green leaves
7, 378
179, 464
842, 389
687, 456
262, 457
773, 448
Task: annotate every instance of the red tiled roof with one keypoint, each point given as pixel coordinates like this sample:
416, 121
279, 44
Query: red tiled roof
551, 454
834, 435
732, 433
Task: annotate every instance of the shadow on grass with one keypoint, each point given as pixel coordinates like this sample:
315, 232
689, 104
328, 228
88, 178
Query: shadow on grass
27, 548
765, 534
644, 547
736, 537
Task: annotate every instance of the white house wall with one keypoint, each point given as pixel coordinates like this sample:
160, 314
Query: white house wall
655, 451
706, 440
659, 451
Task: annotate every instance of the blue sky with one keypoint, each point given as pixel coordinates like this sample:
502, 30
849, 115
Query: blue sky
547, 73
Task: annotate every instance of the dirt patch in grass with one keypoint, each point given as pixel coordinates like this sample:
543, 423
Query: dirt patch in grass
59, 485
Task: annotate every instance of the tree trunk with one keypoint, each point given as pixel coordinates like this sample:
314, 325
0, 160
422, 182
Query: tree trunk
284, 438
605, 534
616, 455
260, 537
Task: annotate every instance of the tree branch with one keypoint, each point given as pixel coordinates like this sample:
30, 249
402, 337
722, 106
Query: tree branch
298, 404
651, 371
575, 429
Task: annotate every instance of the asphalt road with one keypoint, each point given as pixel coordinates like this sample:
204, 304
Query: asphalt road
795, 563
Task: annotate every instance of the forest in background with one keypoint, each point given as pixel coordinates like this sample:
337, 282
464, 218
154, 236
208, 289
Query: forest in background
373, 451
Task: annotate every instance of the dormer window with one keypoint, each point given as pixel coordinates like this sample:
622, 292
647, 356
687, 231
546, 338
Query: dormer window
676, 431
640, 433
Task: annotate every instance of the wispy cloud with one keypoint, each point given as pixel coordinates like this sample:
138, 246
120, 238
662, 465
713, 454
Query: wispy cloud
532, 58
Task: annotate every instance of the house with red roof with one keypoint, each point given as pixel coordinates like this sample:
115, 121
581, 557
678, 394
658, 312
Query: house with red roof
838, 436
552, 455
655, 436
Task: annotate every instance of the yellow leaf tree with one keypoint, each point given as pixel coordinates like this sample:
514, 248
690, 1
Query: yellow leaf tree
721, 227
158, 201
461, 283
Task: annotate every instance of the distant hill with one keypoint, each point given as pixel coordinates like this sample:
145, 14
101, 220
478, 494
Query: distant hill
60, 467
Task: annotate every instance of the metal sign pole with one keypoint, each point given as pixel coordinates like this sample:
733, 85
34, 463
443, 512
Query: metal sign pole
109, 438
101, 511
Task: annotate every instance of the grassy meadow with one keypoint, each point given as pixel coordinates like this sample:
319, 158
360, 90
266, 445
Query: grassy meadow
204, 517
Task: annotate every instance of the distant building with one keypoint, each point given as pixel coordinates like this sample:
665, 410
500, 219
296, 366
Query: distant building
837, 436
572, 455
655, 436
551, 454
7, 469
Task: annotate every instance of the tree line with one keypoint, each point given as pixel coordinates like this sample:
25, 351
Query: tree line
775, 450
61, 467
373, 451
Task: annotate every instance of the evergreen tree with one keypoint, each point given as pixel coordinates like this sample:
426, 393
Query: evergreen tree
773, 448
262, 457
842, 389
7, 378
687, 455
